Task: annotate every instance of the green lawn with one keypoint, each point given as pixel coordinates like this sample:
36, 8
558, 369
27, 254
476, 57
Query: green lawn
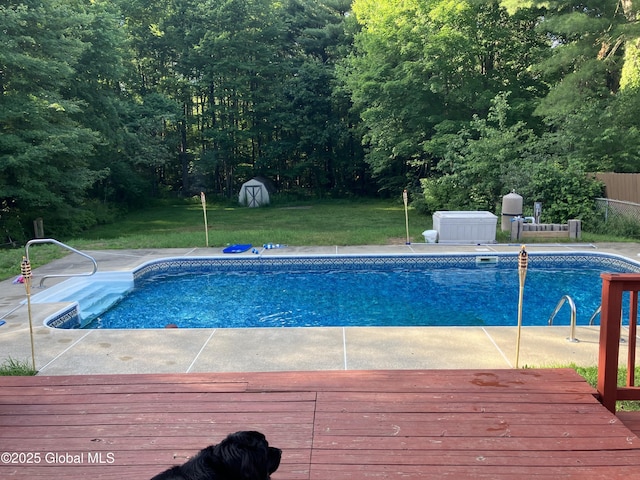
590, 374
181, 225
314, 223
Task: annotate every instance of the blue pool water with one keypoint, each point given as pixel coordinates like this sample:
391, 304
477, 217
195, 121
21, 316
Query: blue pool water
395, 294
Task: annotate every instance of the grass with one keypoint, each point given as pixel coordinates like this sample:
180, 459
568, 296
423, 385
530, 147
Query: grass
590, 374
317, 223
181, 225
11, 367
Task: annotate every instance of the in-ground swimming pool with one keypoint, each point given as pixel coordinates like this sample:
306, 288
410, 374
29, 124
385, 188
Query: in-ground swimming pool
414, 290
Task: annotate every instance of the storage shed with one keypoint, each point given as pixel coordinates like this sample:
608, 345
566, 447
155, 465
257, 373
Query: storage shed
255, 192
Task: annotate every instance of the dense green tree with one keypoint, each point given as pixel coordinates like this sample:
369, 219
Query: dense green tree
320, 149
480, 162
255, 81
44, 149
134, 147
162, 35
424, 68
491, 157
593, 43
242, 65
584, 66
615, 146
110, 102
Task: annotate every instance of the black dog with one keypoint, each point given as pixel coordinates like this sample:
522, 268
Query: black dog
240, 456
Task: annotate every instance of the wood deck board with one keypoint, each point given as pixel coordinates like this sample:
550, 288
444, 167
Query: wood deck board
338, 472
337, 425
471, 458
631, 420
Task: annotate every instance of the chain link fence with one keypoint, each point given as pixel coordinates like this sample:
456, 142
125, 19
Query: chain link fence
613, 210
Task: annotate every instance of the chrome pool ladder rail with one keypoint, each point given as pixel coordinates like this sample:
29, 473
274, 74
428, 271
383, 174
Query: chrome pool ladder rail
572, 306
63, 245
597, 312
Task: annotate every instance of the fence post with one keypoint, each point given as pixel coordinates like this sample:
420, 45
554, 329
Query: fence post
38, 228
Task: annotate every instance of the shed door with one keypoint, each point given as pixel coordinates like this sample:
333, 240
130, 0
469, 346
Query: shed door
254, 195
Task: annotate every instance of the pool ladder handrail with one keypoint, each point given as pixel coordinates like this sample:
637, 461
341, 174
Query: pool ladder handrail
63, 245
597, 312
572, 305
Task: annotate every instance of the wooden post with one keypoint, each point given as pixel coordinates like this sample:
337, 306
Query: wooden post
203, 200
613, 287
609, 342
631, 357
405, 199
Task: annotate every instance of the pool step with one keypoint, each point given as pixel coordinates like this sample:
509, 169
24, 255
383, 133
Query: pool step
89, 312
93, 294
95, 299
93, 302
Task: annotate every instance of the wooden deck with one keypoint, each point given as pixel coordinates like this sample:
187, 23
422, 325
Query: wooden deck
331, 425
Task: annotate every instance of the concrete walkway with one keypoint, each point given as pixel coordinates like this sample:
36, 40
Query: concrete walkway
62, 352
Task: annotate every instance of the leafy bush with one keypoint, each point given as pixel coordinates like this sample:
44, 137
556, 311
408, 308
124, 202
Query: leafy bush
566, 191
68, 223
491, 157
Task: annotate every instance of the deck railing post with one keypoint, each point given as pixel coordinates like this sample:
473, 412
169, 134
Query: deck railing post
609, 342
631, 357
613, 287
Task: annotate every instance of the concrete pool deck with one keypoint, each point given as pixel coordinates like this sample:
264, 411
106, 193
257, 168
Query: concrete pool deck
68, 352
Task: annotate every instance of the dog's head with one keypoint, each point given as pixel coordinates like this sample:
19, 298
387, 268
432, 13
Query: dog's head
240, 456
247, 455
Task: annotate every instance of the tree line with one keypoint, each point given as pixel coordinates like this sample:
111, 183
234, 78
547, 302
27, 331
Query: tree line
108, 104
